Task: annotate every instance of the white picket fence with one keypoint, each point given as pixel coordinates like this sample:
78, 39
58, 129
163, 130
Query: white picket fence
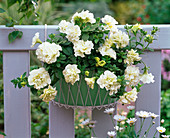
16, 60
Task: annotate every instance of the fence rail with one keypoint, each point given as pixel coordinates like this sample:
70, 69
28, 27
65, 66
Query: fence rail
16, 60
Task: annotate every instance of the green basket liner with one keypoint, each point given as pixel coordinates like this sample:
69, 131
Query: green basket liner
80, 94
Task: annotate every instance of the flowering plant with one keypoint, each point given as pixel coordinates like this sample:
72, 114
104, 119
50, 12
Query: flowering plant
125, 126
94, 50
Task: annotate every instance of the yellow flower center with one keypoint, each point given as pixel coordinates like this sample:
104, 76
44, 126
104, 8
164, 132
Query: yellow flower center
131, 121
160, 131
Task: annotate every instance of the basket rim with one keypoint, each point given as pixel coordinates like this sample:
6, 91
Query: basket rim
99, 107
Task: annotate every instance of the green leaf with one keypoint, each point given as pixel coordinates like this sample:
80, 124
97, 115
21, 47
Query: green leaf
68, 51
10, 24
120, 60
29, 14
58, 65
34, 91
11, 2
14, 35
1, 133
20, 34
24, 75
2, 10
62, 57
96, 41
85, 37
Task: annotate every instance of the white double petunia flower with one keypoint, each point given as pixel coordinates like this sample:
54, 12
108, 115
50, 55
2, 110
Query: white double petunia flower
121, 39
132, 56
73, 33
110, 23
83, 47
63, 26
129, 97
39, 78
48, 52
86, 16
71, 73
48, 94
108, 80
147, 78
132, 75
90, 82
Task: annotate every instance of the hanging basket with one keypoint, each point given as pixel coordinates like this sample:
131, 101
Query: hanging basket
80, 95
89, 51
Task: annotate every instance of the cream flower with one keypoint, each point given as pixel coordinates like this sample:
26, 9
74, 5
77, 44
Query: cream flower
110, 23
104, 50
147, 78
48, 52
86, 16
132, 75
121, 39
132, 56
63, 26
131, 121
109, 111
71, 73
108, 80
153, 115
129, 97
111, 134
36, 39
119, 118
142, 114
82, 47
39, 78
73, 32
130, 107
90, 82
160, 129
49, 94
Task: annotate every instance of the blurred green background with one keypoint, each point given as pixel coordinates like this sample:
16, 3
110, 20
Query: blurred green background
52, 12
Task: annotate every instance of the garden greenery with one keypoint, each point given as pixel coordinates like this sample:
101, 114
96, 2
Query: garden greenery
94, 48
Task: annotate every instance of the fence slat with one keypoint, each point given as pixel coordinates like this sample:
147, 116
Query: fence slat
16, 101
104, 123
149, 97
61, 122
163, 41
